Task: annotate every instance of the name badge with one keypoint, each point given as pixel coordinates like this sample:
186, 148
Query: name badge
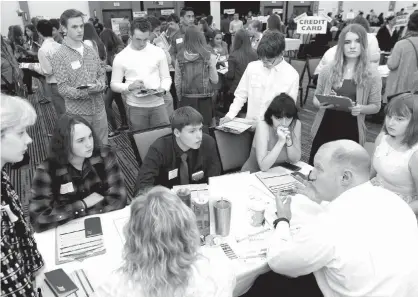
67, 188
9, 212
75, 64
179, 40
198, 175
173, 174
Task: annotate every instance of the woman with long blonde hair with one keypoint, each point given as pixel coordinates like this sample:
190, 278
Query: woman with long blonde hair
161, 254
352, 76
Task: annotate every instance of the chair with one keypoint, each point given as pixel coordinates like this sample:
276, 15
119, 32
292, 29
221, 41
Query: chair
233, 149
300, 67
141, 140
311, 64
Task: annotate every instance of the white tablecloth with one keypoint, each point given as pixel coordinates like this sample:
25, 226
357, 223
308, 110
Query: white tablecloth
235, 187
292, 44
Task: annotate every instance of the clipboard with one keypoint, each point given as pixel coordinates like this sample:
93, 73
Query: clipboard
339, 102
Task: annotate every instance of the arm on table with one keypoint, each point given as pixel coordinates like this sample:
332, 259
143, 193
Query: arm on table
294, 152
115, 197
413, 168
241, 96
304, 252
44, 212
149, 170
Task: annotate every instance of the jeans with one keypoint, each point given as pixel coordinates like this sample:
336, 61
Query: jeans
99, 123
57, 100
142, 118
109, 97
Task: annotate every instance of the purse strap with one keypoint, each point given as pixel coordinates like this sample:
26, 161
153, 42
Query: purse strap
416, 51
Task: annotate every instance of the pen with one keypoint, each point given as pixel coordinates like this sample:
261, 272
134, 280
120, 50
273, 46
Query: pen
254, 234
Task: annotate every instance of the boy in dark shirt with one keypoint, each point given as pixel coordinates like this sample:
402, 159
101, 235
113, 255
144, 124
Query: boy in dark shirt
185, 157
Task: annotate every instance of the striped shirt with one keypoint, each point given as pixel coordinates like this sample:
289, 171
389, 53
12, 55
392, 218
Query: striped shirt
71, 69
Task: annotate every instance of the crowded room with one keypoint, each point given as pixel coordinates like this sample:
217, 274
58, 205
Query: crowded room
209, 148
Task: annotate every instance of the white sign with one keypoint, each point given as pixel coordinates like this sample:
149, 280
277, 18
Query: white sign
115, 25
167, 11
277, 10
322, 14
402, 20
116, 4
311, 25
139, 14
303, 15
350, 16
229, 11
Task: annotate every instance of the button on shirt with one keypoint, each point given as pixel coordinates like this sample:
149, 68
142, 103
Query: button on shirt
364, 243
71, 69
260, 85
48, 49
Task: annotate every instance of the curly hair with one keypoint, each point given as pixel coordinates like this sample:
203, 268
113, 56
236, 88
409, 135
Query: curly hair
141, 24
362, 66
60, 148
162, 240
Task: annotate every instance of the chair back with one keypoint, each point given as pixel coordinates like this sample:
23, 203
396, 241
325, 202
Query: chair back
233, 149
312, 63
300, 67
141, 140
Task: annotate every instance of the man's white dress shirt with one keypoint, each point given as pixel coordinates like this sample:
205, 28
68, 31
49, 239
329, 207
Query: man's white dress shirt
45, 53
364, 244
259, 85
149, 65
373, 51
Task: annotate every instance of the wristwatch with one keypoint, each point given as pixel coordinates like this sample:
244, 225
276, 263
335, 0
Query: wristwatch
280, 220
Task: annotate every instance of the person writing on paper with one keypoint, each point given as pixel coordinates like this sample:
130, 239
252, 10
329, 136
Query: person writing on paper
395, 159
20, 258
78, 178
277, 138
352, 248
352, 76
264, 79
187, 156
162, 254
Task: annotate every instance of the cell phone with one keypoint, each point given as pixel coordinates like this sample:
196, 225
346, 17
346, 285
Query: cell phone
82, 87
93, 227
301, 175
290, 166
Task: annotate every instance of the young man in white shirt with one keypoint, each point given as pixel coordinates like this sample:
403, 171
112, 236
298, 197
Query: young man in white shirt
144, 67
365, 241
45, 53
264, 79
235, 25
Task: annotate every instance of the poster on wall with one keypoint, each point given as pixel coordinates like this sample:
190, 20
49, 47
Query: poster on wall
167, 11
115, 25
311, 25
229, 11
277, 10
139, 14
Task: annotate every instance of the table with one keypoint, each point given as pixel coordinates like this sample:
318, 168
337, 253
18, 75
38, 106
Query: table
235, 187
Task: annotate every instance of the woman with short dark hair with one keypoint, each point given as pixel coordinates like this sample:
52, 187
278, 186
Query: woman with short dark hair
79, 178
278, 137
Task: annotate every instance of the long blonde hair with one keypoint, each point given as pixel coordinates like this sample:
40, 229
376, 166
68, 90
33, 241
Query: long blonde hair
362, 66
161, 245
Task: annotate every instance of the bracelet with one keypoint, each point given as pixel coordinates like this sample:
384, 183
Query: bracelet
85, 204
280, 220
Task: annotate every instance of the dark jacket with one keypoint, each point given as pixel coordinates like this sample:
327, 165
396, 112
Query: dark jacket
177, 43
164, 156
58, 190
236, 69
386, 42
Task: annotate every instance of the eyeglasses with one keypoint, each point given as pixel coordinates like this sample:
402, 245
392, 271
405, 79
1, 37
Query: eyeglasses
310, 177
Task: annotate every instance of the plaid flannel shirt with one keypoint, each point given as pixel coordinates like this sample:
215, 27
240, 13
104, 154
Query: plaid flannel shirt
72, 70
58, 190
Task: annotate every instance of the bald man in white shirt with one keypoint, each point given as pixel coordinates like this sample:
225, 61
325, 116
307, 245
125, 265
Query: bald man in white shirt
364, 243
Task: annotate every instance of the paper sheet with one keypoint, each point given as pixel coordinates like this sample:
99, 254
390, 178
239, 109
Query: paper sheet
120, 224
235, 126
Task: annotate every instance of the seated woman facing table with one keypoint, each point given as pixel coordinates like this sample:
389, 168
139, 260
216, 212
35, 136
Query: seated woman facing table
395, 159
162, 254
79, 177
278, 137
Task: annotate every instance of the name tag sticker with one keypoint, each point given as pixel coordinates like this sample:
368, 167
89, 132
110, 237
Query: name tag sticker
75, 64
67, 188
179, 40
173, 174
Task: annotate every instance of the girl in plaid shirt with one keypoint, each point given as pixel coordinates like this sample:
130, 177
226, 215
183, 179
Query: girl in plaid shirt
79, 177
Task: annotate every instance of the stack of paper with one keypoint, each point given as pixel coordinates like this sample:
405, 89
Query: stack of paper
236, 126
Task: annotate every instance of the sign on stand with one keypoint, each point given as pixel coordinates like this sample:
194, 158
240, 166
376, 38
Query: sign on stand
167, 11
311, 24
402, 20
229, 11
277, 10
115, 25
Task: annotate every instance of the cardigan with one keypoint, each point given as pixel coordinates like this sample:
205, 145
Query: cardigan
370, 93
